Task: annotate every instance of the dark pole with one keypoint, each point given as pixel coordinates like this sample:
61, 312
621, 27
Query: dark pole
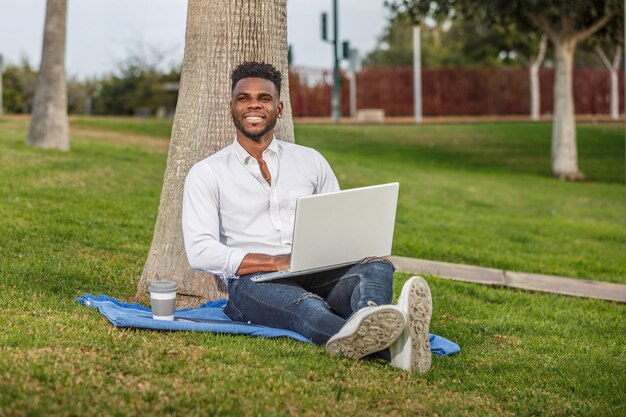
1, 69
336, 98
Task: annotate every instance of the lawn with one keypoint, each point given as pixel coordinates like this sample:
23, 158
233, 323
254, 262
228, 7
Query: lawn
81, 222
482, 194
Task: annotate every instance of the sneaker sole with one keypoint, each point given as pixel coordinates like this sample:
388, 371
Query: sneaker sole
420, 311
375, 333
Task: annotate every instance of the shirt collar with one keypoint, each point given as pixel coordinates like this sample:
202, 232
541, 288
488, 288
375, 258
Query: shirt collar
244, 156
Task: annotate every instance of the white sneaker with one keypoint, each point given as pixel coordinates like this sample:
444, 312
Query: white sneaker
369, 330
411, 351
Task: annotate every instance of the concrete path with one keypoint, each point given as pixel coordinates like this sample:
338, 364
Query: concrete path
518, 280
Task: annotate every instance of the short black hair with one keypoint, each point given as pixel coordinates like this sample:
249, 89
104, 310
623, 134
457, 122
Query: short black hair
257, 70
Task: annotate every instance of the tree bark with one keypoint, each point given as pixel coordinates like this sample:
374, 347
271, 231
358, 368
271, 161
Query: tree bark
612, 67
220, 35
417, 73
535, 98
564, 150
533, 70
614, 96
49, 124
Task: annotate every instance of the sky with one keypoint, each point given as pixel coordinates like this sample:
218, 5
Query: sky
101, 33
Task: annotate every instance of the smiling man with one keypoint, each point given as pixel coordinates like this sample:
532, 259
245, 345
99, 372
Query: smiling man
238, 216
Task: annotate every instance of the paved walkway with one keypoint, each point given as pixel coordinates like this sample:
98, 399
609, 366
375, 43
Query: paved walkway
518, 280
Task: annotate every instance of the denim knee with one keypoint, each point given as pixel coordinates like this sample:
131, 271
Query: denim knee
316, 322
382, 263
378, 269
376, 281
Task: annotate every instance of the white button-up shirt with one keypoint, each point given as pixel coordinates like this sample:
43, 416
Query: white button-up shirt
229, 210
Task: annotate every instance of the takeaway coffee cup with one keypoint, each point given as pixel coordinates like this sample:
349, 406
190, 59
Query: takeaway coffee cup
163, 299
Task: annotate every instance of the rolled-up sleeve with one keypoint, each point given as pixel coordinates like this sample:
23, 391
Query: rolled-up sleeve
200, 222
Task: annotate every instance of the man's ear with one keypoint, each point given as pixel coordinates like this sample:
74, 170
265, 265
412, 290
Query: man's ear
280, 108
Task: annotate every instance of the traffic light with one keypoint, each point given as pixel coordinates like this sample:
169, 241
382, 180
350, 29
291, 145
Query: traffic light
346, 49
325, 26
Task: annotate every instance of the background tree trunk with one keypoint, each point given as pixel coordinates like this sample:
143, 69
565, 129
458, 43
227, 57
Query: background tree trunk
49, 124
564, 151
535, 97
564, 37
417, 73
613, 67
533, 69
220, 35
614, 96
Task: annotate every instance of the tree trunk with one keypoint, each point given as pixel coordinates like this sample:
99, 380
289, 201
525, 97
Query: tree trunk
564, 151
533, 73
564, 38
417, 74
617, 57
220, 35
49, 125
614, 95
612, 67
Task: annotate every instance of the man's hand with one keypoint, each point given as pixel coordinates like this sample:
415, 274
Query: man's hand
258, 262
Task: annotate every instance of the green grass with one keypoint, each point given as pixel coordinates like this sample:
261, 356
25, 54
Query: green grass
161, 128
82, 221
482, 194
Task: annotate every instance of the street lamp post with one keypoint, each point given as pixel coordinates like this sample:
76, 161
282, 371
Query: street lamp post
1, 69
335, 101
353, 57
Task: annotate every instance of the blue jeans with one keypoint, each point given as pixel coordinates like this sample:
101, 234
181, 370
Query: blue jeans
315, 305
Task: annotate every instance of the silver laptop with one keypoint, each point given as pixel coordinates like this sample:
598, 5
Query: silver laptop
341, 228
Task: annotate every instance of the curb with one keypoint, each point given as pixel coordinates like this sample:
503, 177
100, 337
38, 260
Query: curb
517, 280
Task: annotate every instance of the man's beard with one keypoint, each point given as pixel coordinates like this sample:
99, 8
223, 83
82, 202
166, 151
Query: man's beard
254, 136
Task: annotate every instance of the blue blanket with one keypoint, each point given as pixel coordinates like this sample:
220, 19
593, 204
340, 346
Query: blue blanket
213, 320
